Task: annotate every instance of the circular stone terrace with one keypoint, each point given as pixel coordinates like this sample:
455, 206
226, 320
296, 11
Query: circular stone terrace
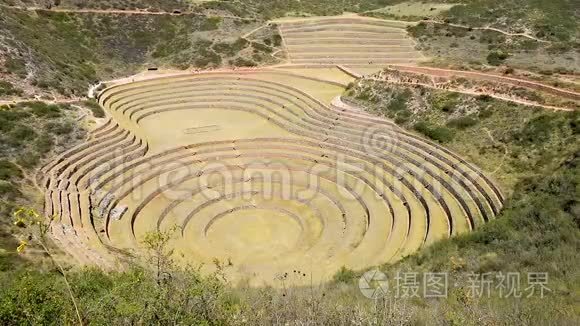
268, 171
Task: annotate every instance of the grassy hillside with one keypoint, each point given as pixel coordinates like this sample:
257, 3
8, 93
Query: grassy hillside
151, 5
268, 9
534, 155
507, 140
68, 51
29, 133
457, 46
553, 22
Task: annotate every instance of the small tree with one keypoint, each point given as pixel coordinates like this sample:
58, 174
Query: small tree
159, 255
38, 227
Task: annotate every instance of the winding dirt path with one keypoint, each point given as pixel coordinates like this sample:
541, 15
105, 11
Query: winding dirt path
462, 91
440, 72
96, 11
531, 37
120, 12
159, 13
28, 177
248, 34
53, 101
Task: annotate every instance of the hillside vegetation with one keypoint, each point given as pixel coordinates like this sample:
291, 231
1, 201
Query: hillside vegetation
29, 132
67, 52
508, 140
554, 20
151, 5
554, 23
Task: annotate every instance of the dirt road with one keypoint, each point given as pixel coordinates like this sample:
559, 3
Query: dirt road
119, 12
504, 98
531, 37
439, 72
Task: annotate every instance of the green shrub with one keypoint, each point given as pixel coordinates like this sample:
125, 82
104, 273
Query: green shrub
457, 31
241, 62
485, 113
44, 144
224, 48
277, 40
9, 191
240, 44
33, 298
497, 57
9, 171
364, 95
7, 89
421, 127
529, 45
462, 122
261, 47
59, 128
257, 57
537, 130
210, 23
400, 120
399, 101
209, 59
344, 275
11, 115
445, 102
574, 122
484, 98
15, 66
43, 110
492, 38
23, 133
230, 49
418, 30
95, 108
28, 160
5, 125
440, 134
